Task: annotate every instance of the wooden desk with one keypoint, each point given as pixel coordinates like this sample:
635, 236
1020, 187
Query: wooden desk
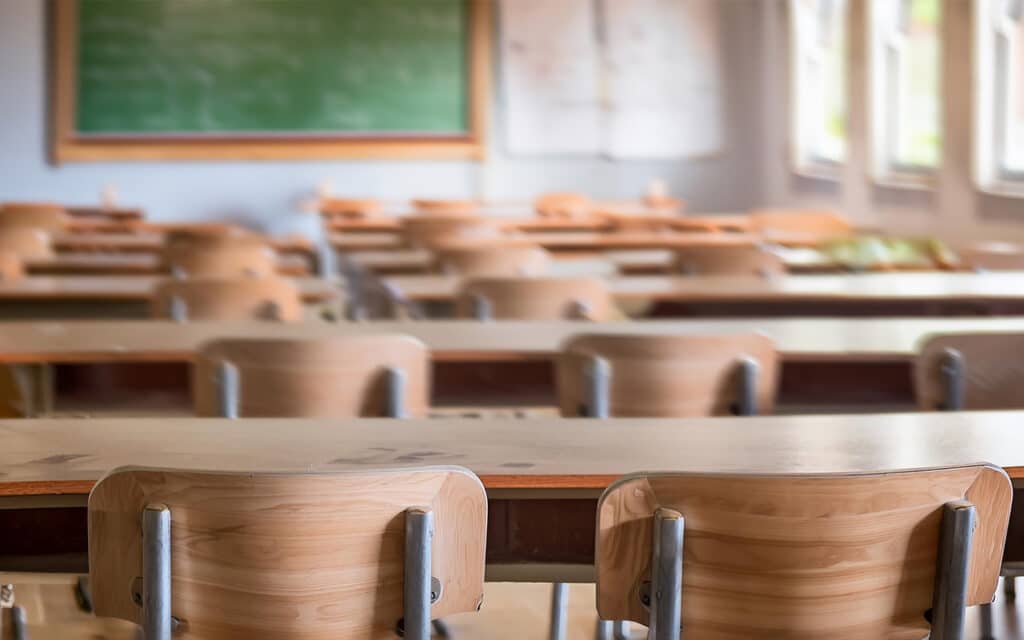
889, 294
149, 242
104, 213
36, 297
542, 476
119, 264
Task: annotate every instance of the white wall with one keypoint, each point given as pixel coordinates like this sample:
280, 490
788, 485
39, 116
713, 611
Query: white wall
265, 192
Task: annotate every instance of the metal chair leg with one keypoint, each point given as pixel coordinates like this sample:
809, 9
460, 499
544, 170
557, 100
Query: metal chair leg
746, 404
949, 602
19, 625
482, 309
622, 631
156, 572
418, 589
395, 393
952, 367
985, 616
1010, 587
179, 309
227, 390
559, 610
597, 374
603, 630
666, 592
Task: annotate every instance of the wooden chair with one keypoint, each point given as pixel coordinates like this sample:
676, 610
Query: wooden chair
220, 256
732, 260
602, 375
969, 371
258, 555
519, 298
38, 215
810, 221
445, 207
562, 205
227, 299
994, 256
350, 207
25, 242
11, 267
853, 556
429, 232
492, 258
340, 377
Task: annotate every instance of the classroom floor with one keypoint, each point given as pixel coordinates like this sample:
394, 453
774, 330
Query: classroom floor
511, 611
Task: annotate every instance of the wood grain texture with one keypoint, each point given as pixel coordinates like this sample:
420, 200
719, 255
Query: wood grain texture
432, 230
36, 215
339, 377
746, 260
271, 299
541, 298
221, 256
11, 266
837, 556
668, 375
492, 258
993, 370
26, 242
133, 264
266, 556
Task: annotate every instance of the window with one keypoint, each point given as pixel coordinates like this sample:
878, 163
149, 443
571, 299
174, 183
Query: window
906, 108
819, 59
1001, 89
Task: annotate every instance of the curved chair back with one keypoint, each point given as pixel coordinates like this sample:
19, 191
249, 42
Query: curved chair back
562, 205
220, 256
350, 207
38, 215
610, 375
969, 371
810, 221
340, 377
738, 260
483, 259
522, 298
11, 267
433, 231
26, 242
228, 299
841, 555
994, 256
265, 556
445, 207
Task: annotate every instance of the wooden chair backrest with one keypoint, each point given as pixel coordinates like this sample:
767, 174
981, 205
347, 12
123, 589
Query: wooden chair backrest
236, 299
991, 379
739, 259
667, 375
433, 231
545, 298
994, 256
824, 222
339, 377
825, 556
220, 256
47, 216
445, 207
11, 267
265, 556
350, 207
26, 242
482, 259
562, 205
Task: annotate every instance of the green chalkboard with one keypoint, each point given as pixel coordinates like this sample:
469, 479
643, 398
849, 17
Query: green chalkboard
265, 67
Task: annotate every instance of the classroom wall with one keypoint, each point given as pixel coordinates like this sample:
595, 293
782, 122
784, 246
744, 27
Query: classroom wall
263, 192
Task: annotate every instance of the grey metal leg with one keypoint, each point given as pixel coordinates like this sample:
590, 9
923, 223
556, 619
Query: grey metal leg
482, 308
559, 610
1010, 587
227, 389
603, 631
419, 531
666, 575
35, 385
396, 393
622, 631
748, 371
985, 617
597, 375
19, 625
156, 572
179, 309
953, 367
949, 602
579, 310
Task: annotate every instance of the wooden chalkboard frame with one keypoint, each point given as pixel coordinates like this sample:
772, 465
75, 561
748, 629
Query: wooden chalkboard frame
68, 146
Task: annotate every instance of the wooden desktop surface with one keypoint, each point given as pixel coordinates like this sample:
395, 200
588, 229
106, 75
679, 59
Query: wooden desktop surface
147, 242
798, 339
86, 263
603, 222
137, 288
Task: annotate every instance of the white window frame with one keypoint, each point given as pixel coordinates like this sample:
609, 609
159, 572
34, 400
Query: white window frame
805, 157
887, 56
995, 92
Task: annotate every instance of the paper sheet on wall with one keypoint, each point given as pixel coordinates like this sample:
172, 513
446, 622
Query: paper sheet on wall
550, 76
648, 87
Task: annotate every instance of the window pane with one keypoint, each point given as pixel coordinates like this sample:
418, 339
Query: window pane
1014, 80
820, 80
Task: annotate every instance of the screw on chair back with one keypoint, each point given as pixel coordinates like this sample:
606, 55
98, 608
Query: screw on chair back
858, 556
969, 371
526, 298
604, 375
339, 377
227, 299
210, 555
728, 260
